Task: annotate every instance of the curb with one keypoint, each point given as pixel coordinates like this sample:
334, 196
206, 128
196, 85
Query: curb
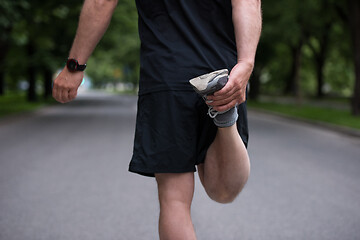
328, 126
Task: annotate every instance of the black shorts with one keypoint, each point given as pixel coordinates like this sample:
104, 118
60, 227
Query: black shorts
173, 132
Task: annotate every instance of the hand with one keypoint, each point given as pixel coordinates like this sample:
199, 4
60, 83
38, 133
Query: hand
234, 91
66, 85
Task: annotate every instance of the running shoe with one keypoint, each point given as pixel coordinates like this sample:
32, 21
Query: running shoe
206, 85
209, 83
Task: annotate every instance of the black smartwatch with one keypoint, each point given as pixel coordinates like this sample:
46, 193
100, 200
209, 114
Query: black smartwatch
74, 66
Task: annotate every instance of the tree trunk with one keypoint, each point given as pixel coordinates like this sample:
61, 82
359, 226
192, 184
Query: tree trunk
321, 57
292, 85
4, 46
2, 82
354, 18
47, 74
255, 84
320, 76
31, 74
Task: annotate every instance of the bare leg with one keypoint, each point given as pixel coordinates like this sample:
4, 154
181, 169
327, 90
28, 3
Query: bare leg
227, 166
176, 191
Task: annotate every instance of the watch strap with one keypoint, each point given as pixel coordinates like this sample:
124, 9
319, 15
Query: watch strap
73, 65
81, 67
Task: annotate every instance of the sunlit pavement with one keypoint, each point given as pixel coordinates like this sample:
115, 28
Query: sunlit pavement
63, 176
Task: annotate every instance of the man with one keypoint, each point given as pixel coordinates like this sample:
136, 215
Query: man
197, 40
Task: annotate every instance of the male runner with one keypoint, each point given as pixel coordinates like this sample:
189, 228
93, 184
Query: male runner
181, 41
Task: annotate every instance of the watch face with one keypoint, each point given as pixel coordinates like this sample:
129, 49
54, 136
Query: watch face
71, 64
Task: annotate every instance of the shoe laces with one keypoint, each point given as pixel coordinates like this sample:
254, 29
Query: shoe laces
211, 111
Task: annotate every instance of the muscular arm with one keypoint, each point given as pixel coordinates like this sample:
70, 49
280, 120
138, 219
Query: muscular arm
94, 19
247, 26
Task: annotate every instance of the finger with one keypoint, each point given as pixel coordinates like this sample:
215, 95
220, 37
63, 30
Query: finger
231, 104
56, 93
220, 102
241, 99
72, 94
237, 97
64, 95
224, 95
224, 91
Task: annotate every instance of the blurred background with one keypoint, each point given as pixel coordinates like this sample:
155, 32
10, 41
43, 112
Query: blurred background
63, 167
35, 40
307, 64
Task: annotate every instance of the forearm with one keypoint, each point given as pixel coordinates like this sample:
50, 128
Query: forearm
247, 25
94, 19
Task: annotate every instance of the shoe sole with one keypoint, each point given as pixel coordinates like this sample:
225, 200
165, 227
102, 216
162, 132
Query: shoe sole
211, 82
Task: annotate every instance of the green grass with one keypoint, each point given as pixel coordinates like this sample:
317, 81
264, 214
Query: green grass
12, 103
306, 111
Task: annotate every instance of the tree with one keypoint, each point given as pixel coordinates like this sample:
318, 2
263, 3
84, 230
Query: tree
319, 33
265, 52
10, 13
354, 19
41, 38
117, 55
302, 45
284, 29
349, 12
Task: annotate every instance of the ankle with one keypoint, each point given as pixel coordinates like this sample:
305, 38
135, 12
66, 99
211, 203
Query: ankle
228, 129
226, 119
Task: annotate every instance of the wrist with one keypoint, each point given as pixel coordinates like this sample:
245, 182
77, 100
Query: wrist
247, 62
72, 74
79, 59
73, 65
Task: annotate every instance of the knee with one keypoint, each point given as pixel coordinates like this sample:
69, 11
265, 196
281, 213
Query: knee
225, 194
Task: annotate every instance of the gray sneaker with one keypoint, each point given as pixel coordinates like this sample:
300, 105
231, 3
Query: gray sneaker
206, 85
209, 83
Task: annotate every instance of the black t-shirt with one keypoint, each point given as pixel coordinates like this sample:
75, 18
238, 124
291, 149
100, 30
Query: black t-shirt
181, 39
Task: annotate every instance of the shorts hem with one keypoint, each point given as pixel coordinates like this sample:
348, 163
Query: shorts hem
151, 172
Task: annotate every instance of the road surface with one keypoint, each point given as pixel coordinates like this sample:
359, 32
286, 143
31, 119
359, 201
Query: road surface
63, 176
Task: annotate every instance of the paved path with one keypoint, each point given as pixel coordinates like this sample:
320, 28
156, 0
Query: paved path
63, 176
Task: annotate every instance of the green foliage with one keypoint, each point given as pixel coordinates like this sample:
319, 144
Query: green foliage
288, 22
12, 103
39, 26
116, 59
10, 12
49, 28
310, 112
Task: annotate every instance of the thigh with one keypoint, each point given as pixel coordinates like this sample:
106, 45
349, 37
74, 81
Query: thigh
208, 131
175, 187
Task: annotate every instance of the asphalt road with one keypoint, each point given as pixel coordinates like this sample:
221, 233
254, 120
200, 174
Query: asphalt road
63, 176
